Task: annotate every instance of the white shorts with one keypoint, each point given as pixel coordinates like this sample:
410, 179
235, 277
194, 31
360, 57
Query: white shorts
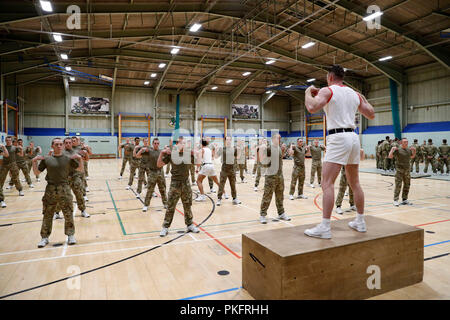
207, 170
343, 148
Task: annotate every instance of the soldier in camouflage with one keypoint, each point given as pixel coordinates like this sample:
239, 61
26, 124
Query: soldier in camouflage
257, 167
416, 159
22, 164
229, 154
127, 155
396, 144
430, 152
444, 151
402, 174
272, 159
316, 164
343, 184
57, 191
385, 148
76, 146
143, 165
9, 165
298, 172
242, 160
30, 153
134, 164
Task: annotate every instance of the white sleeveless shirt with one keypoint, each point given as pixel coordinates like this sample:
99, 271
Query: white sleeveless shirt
341, 107
207, 155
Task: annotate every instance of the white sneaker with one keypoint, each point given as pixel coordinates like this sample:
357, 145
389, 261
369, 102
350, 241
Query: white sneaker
71, 240
87, 178
164, 232
87, 189
193, 228
200, 198
43, 242
256, 188
339, 210
31, 186
56, 216
219, 202
120, 177
319, 231
359, 226
138, 196
154, 195
22, 180
406, 202
85, 198
38, 180
284, 217
194, 184
21, 193
346, 193
396, 203
320, 185
253, 175
263, 219
302, 196
3, 204
236, 201
8, 187
165, 176
312, 186
225, 196
144, 209
165, 206
128, 188
353, 208
291, 197
84, 214
243, 181
213, 191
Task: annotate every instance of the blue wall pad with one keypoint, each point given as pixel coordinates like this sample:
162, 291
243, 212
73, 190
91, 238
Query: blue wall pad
428, 127
379, 129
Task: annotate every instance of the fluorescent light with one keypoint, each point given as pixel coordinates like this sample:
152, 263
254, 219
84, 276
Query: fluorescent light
270, 61
229, 81
147, 82
153, 75
195, 27
162, 65
214, 88
64, 56
268, 92
68, 68
246, 73
385, 58
307, 45
72, 78
175, 50
345, 69
373, 16
57, 37
46, 6
311, 80
288, 86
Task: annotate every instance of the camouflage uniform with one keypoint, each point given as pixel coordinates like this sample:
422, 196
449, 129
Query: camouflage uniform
377, 156
385, 149
143, 168
316, 165
394, 144
155, 177
242, 163
416, 159
127, 156
444, 151
274, 183
192, 171
179, 188
134, 165
76, 183
402, 174
298, 172
22, 165
227, 172
57, 193
77, 149
9, 165
430, 151
29, 155
257, 168
343, 183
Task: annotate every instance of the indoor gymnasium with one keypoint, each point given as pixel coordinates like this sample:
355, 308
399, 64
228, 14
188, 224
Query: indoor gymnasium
224, 150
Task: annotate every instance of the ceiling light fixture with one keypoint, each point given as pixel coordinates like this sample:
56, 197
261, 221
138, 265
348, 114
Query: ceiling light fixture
307, 45
46, 6
195, 27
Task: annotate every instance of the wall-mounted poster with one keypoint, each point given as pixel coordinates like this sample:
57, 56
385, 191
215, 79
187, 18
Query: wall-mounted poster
90, 105
245, 111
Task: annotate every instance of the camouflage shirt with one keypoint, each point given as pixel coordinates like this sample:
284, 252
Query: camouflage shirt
226, 163
58, 168
316, 152
444, 150
12, 150
180, 172
128, 150
402, 158
299, 156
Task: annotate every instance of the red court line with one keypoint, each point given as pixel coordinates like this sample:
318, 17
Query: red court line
424, 224
315, 202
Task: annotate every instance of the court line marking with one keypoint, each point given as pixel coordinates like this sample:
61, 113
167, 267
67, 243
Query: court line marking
115, 208
211, 294
64, 249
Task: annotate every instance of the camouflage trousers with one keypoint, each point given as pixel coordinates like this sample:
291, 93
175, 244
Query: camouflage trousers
192, 171
12, 167
54, 197
76, 182
242, 167
413, 161
155, 177
258, 174
143, 170
210, 183
30, 166
402, 176
22, 166
431, 161
316, 166
179, 189
298, 174
386, 160
133, 167
86, 168
168, 168
443, 162
231, 176
124, 163
273, 184
342, 187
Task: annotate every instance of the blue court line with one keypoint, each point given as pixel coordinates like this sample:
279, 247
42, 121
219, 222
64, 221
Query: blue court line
433, 244
212, 293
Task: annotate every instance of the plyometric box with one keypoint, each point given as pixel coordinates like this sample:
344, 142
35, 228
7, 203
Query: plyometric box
286, 264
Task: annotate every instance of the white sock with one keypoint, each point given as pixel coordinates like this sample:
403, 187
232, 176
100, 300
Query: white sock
326, 222
359, 217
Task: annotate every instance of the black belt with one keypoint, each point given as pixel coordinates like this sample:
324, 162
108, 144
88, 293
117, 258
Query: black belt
338, 130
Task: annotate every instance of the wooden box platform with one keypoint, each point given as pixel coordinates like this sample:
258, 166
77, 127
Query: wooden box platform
286, 264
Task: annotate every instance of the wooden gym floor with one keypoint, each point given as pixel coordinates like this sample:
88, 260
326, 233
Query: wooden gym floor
187, 267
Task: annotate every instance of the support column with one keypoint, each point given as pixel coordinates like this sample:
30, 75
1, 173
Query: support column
394, 108
404, 113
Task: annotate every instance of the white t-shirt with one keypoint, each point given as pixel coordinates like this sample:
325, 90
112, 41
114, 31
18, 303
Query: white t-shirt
341, 107
207, 155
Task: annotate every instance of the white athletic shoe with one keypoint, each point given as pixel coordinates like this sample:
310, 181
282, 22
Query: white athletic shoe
31, 186
84, 214
56, 216
165, 206
87, 178
213, 190
284, 217
263, 219
21, 193
164, 232
359, 226
8, 187
312, 186
22, 180
43, 242
253, 175
87, 189
193, 228
346, 193
120, 177
302, 196
396, 203
144, 209
353, 208
219, 202
406, 202
128, 188
85, 198
194, 184
165, 176
255, 188
339, 210
236, 201
243, 181
71, 240
154, 195
138, 196
201, 198
38, 180
291, 197
3, 204
319, 231
225, 196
